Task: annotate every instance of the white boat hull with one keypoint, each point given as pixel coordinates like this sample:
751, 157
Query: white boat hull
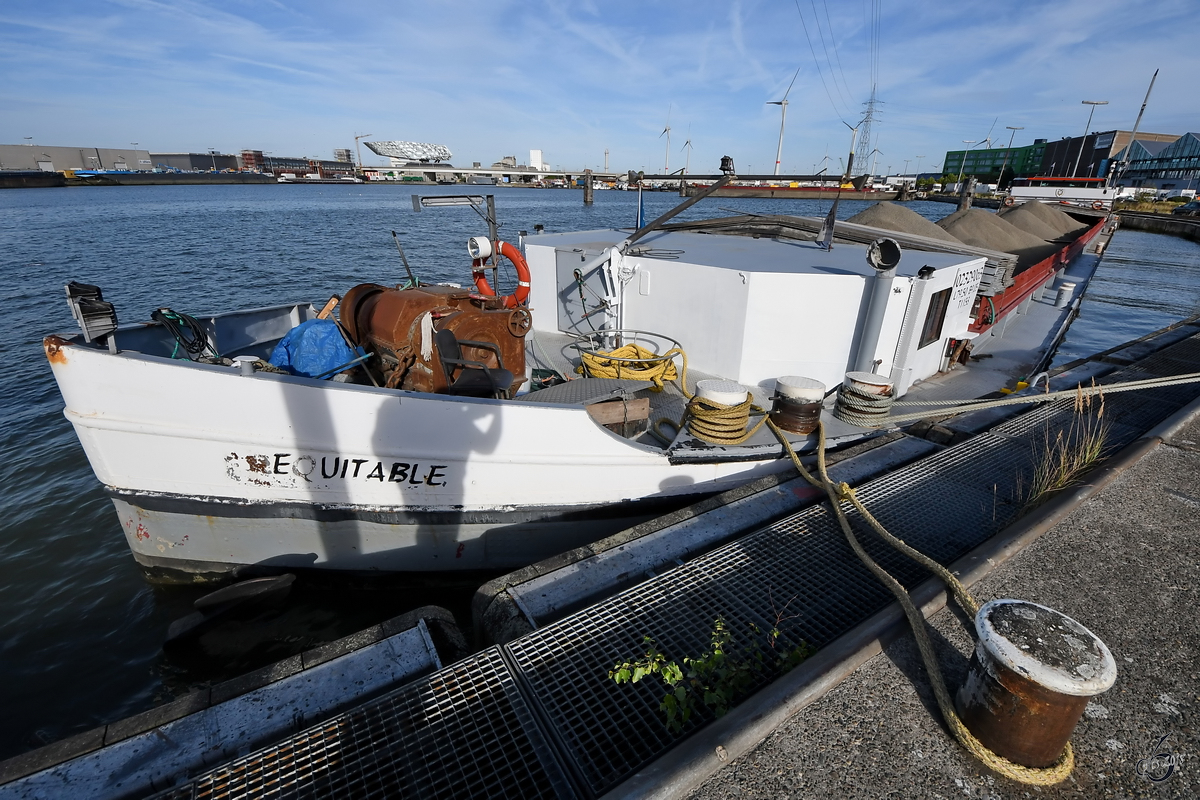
212, 471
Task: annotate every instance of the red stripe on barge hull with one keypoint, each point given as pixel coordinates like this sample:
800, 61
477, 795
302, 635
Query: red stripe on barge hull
1032, 279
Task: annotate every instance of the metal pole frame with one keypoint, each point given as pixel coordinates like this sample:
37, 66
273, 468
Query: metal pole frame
1079, 155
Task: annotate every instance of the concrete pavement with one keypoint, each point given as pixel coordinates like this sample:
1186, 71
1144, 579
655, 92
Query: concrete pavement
1127, 565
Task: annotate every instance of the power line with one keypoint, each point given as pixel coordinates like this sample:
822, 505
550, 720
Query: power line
828, 62
875, 26
836, 54
817, 62
864, 141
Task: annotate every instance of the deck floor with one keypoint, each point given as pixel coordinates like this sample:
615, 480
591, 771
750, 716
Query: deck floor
555, 351
1015, 346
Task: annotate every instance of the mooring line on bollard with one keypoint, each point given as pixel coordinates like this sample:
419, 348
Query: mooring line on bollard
1035, 776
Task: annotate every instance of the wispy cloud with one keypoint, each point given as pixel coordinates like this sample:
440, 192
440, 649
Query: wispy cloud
498, 78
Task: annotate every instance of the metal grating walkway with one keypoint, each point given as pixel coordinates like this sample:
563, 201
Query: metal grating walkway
464, 731
541, 718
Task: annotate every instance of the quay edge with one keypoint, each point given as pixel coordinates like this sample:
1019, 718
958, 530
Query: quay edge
698, 758
1183, 227
148, 751
588, 737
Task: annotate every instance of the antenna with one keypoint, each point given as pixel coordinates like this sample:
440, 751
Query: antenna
783, 104
667, 132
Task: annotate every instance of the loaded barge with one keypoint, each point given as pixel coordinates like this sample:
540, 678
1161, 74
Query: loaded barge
455, 430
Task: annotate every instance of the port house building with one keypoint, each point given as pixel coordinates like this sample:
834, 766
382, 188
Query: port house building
418, 172
56, 159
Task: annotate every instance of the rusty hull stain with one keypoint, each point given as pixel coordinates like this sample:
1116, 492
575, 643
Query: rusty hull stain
55, 349
258, 464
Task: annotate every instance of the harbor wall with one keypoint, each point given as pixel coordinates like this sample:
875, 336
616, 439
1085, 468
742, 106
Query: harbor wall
976, 202
30, 179
168, 178
1185, 227
788, 193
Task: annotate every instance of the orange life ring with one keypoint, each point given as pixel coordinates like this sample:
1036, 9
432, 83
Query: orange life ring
1097, 206
518, 297
1008, 201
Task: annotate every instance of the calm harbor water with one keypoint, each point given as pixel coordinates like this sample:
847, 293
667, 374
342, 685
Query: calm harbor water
81, 636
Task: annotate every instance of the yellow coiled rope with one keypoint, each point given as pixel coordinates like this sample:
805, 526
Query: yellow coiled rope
633, 362
716, 423
1048, 776
710, 422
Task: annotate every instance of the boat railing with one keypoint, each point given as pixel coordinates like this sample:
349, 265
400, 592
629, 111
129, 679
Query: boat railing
253, 331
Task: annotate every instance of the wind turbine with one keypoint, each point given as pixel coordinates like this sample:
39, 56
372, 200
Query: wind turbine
667, 132
876, 153
849, 164
688, 146
783, 118
988, 140
824, 162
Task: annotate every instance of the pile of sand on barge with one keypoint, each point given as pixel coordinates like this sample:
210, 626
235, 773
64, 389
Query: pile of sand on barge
1043, 221
980, 228
893, 217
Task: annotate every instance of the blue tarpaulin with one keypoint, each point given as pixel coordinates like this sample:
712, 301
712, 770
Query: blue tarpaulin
312, 349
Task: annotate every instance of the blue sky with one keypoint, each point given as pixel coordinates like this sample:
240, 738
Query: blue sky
497, 78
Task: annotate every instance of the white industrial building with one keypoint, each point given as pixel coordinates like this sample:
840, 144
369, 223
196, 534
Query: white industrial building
53, 158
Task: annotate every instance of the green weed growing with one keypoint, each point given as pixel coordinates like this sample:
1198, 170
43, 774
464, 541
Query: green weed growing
719, 678
1070, 453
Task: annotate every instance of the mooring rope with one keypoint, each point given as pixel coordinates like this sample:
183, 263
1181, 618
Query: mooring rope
717, 423
860, 408
842, 492
961, 407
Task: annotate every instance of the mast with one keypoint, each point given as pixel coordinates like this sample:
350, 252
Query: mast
1133, 136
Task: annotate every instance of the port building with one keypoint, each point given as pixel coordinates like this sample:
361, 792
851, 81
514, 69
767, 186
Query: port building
258, 161
1078, 156
1090, 156
53, 158
419, 162
1163, 165
1023, 161
194, 162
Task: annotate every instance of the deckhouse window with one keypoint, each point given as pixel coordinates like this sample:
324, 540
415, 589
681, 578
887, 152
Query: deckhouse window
931, 331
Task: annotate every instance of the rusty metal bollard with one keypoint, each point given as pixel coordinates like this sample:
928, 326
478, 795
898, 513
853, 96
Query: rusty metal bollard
1032, 673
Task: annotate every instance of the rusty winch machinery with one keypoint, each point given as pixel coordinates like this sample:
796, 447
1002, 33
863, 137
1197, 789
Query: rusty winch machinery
408, 330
